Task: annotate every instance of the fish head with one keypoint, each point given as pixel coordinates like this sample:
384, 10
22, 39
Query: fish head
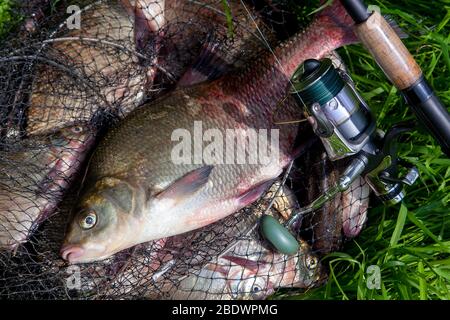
237, 277
276, 271
66, 153
302, 270
260, 272
249, 274
103, 224
74, 139
254, 287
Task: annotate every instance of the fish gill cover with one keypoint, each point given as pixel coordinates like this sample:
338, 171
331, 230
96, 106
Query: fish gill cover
67, 76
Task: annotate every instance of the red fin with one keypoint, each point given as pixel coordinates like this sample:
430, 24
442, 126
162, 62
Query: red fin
145, 28
335, 17
248, 264
218, 268
250, 196
188, 184
208, 66
148, 21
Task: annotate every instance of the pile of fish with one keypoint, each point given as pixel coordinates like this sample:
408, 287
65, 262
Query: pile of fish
87, 143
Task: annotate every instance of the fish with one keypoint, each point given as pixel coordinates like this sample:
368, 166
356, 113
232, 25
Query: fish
194, 41
34, 175
251, 272
249, 269
92, 69
240, 34
219, 260
127, 52
159, 264
343, 216
135, 193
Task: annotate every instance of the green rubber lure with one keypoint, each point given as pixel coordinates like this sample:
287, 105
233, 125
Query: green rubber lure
278, 235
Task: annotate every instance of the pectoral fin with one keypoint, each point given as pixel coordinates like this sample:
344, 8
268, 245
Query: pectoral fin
253, 194
243, 262
187, 185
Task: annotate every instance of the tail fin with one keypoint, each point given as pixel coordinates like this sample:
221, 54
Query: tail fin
208, 66
331, 29
334, 18
149, 19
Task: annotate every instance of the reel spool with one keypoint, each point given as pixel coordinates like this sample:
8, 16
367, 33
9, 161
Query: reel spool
347, 128
338, 114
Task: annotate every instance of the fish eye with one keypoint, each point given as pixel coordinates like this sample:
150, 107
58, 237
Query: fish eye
257, 291
253, 288
88, 220
77, 129
311, 262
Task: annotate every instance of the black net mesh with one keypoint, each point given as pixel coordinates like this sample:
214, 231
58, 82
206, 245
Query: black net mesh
61, 88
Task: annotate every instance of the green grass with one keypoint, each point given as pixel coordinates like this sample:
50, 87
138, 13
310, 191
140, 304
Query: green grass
7, 17
410, 243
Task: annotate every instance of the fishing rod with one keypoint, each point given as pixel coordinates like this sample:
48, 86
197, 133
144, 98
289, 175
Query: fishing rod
402, 70
347, 128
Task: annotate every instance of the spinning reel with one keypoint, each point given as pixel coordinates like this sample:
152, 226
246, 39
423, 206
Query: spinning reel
347, 128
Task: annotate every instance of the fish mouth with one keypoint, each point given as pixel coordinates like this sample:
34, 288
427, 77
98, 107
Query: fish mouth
72, 253
81, 253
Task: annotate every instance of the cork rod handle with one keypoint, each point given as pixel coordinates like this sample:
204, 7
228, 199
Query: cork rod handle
402, 70
389, 51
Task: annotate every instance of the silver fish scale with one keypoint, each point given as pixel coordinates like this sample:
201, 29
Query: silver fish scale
136, 148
